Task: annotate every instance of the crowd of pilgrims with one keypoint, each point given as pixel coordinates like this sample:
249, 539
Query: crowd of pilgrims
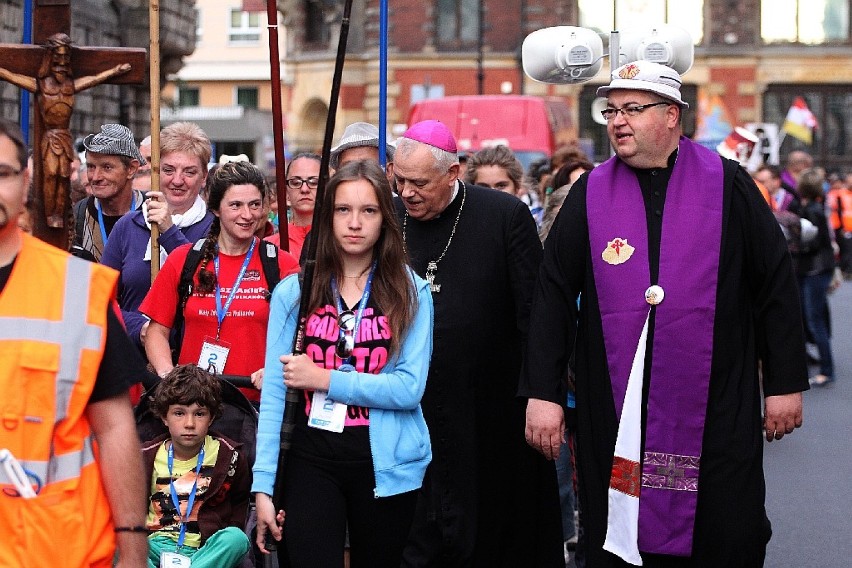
222, 220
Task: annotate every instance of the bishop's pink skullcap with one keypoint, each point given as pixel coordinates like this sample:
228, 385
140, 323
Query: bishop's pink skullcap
433, 133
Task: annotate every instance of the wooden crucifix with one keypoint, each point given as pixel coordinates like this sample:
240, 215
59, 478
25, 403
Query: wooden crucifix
55, 71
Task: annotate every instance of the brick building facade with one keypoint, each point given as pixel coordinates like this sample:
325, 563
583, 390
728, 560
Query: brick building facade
743, 59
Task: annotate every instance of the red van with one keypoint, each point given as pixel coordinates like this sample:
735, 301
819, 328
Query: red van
533, 127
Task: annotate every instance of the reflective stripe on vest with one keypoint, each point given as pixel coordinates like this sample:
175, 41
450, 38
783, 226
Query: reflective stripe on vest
59, 468
72, 332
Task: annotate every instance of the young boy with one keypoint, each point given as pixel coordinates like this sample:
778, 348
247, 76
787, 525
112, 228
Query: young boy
200, 482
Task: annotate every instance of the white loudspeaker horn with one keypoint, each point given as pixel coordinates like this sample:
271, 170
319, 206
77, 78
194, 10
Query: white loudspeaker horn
665, 44
562, 55
598, 105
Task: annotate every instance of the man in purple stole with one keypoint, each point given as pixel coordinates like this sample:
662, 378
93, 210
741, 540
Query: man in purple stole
688, 327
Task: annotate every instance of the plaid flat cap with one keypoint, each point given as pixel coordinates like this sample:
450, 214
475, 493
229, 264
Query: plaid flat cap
114, 140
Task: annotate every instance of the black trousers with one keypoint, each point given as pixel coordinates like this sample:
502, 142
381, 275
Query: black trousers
321, 497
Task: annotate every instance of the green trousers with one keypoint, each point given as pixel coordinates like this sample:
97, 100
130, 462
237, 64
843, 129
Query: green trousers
224, 549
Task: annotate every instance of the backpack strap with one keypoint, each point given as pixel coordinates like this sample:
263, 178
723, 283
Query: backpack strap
185, 286
80, 219
269, 260
79, 226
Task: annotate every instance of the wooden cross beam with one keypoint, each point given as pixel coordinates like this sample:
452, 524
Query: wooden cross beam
26, 59
55, 72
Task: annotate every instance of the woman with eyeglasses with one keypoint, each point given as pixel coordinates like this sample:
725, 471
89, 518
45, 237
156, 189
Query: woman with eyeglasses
360, 446
177, 210
302, 176
226, 313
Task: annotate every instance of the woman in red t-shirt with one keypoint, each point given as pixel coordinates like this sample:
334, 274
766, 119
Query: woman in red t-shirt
227, 312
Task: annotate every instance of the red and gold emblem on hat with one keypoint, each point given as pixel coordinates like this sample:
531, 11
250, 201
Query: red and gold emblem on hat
628, 71
617, 251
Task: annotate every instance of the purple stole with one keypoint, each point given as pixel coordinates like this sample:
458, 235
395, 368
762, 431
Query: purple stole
682, 351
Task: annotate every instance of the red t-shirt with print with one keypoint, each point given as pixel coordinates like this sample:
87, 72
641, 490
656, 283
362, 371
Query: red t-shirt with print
244, 326
295, 238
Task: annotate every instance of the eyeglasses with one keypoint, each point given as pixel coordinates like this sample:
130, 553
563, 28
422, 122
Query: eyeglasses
8, 172
346, 342
629, 111
297, 182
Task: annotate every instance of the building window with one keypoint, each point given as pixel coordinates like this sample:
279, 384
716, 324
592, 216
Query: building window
811, 22
188, 97
457, 24
317, 31
629, 14
426, 91
244, 27
832, 108
247, 97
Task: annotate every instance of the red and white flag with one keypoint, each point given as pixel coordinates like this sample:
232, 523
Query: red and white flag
800, 121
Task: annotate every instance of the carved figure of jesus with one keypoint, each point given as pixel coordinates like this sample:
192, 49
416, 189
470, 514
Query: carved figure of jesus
54, 88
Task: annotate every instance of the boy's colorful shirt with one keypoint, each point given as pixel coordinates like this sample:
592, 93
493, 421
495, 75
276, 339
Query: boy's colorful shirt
163, 517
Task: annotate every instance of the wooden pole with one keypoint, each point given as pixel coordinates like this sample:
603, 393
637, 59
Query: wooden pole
154, 67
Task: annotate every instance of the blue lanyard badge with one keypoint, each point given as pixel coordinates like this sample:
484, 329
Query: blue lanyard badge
342, 339
221, 310
184, 518
101, 216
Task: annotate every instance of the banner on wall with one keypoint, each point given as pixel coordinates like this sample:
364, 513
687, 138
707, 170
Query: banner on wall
712, 120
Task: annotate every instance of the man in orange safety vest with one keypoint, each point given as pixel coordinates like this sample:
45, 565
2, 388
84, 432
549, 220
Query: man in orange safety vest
71, 481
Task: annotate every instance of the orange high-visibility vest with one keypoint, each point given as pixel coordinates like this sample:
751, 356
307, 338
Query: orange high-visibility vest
52, 336
840, 199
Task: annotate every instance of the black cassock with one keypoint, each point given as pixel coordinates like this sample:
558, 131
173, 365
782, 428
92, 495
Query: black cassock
757, 318
488, 498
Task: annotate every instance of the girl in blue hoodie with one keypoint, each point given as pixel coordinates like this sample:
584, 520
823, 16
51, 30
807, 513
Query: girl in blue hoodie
360, 447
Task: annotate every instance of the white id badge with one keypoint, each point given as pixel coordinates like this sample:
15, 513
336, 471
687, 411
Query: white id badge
214, 354
174, 560
326, 414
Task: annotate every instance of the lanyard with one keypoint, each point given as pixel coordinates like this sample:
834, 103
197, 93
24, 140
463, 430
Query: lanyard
191, 501
361, 305
101, 216
221, 310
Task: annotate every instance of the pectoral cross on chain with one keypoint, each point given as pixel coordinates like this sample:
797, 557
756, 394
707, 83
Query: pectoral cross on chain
431, 268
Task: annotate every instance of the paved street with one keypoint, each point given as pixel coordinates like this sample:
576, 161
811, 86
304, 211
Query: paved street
808, 474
